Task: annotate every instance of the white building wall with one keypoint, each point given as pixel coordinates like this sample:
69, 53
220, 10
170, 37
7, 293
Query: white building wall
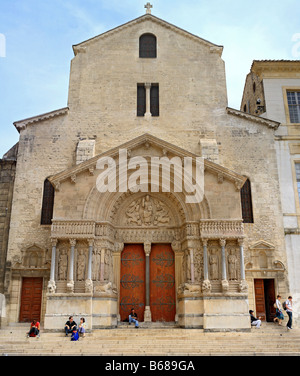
276, 110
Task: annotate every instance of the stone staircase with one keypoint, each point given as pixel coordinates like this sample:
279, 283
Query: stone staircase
158, 340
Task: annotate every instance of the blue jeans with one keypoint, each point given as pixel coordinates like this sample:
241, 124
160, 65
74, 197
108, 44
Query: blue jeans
131, 319
70, 330
289, 324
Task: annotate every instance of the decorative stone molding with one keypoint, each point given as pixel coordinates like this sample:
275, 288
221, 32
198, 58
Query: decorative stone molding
226, 229
67, 229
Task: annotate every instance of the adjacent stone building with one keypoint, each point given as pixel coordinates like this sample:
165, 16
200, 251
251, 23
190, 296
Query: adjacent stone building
141, 94
272, 90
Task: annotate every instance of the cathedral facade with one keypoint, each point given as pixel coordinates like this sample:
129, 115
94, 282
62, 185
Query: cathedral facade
97, 229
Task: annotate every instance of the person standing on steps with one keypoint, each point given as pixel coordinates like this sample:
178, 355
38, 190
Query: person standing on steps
279, 315
289, 311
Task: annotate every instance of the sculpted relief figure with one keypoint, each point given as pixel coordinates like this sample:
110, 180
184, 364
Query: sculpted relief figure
232, 266
81, 266
214, 267
96, 264
162, 214
133, 214
107, 264
62, 265
147, 211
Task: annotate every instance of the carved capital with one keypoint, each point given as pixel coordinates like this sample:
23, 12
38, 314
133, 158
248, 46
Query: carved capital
241, 242
91, 242
222, 242
54, 242
147, 248
72, 242
205, 242
118, 247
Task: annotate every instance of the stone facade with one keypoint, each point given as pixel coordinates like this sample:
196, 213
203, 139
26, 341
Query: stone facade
79, 254
7, 178
274, 79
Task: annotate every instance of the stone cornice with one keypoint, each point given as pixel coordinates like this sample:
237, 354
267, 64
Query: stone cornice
22, 124
269, 123
80, 47
271, 68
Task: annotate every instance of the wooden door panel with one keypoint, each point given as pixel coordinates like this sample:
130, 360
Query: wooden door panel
270, 299
162, 283
132, 281
260, 298
31, 299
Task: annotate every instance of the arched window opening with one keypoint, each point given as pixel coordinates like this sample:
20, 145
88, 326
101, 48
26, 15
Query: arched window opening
148, 46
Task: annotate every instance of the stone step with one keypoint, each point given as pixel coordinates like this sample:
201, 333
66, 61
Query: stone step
269, 340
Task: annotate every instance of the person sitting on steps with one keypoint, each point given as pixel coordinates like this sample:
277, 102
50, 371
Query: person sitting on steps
133, 318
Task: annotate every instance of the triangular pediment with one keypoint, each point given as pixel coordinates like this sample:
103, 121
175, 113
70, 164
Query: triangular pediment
80, 47
262, 245
146, 146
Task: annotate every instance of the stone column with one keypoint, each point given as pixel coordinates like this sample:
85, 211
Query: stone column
206, 285
51, 283
179, 280
148, 88
147, 313
225, 284
89, 281
243, 285
102, 264
70, 284
192, 265
118, 248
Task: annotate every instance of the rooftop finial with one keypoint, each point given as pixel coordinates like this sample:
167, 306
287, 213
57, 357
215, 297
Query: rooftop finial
148, 6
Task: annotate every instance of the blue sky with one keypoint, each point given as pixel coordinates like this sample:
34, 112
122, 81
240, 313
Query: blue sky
39, 34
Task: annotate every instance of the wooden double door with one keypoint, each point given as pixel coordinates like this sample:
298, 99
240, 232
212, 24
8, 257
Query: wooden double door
160, 279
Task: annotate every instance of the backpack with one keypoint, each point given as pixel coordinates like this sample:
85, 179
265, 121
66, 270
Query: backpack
75, 336
284, 305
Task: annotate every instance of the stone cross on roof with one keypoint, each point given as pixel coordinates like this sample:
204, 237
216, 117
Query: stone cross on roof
148, 6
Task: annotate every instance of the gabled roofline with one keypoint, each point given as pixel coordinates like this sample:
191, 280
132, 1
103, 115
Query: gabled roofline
269, 123
90, 164
81, 46
22, 124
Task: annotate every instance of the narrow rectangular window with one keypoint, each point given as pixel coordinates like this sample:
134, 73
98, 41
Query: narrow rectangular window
48, 203
141, 100
293, 98
246, 201
154, 100
297, 166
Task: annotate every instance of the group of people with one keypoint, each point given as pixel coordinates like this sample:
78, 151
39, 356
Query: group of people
71, 327
279, 317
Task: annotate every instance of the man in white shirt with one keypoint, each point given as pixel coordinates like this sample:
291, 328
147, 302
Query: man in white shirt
289, 311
